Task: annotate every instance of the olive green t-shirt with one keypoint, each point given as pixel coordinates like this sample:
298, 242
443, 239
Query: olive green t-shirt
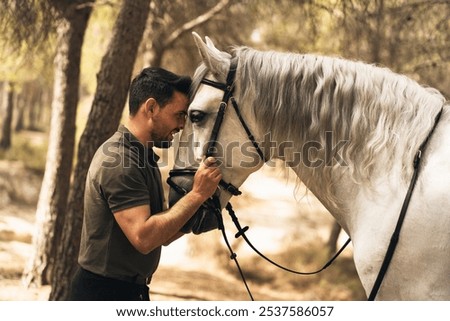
123, 174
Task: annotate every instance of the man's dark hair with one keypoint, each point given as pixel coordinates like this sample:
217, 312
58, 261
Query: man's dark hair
157, 83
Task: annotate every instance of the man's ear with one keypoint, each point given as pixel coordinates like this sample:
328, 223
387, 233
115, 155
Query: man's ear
149, 106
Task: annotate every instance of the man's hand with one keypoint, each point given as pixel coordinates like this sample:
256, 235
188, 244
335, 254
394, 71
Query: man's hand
207, 178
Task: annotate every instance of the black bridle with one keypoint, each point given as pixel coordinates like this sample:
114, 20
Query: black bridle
396, 234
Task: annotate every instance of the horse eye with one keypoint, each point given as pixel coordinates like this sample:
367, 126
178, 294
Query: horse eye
196, 116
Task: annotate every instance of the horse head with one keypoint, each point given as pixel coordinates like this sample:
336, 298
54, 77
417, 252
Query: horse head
216, 126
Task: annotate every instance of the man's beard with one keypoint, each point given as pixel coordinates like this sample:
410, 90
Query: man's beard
162, 144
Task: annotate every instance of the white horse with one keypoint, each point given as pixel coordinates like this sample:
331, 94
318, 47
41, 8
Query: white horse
350, 131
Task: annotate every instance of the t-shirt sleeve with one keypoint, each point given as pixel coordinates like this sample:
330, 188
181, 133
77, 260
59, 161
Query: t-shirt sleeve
124, 187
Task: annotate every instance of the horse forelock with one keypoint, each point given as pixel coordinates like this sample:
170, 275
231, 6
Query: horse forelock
199, 74
299, 98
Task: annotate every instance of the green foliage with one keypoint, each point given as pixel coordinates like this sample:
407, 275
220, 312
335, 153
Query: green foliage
292, 25
26, 30
28, 23
410, 37
21, 65
96, 40
26, 44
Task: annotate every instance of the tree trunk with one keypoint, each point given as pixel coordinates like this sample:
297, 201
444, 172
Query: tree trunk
19, 126
34, 105
2, 93
113, 81
5, 140
55, 185
20, 108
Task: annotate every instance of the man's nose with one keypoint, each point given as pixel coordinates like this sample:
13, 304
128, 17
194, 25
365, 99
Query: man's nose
182, 123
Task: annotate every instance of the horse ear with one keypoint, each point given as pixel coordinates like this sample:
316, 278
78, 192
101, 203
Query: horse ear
217, 61
209, 43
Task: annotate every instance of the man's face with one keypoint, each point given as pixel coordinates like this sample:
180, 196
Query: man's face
169, 120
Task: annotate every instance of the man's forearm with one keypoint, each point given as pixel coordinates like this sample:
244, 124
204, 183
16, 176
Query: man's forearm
164, 227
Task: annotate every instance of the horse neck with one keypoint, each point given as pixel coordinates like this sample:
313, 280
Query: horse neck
333, 186
346, 199
309, 105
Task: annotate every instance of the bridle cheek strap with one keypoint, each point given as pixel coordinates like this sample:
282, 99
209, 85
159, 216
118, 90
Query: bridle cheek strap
210, 150
228, 90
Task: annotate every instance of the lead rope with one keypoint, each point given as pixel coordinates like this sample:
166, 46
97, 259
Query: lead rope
241, 233
233, 255
396, 234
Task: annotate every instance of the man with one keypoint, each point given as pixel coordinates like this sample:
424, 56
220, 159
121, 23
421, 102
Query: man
125, 223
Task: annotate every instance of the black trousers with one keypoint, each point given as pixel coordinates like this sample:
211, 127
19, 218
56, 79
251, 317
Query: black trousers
88, 286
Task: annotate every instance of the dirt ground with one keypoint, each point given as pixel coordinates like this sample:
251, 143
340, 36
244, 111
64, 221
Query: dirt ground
285, 224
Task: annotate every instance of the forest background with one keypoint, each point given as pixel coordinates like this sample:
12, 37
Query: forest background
64, 75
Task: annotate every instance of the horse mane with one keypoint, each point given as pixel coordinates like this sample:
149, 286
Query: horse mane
300, 97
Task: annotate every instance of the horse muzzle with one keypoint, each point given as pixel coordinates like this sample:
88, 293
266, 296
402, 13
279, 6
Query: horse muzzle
206, 218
